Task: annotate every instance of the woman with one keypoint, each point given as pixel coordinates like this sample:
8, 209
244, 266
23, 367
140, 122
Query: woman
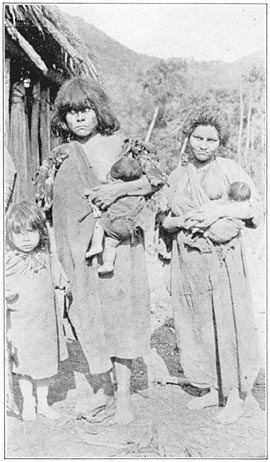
210, 289
111, 315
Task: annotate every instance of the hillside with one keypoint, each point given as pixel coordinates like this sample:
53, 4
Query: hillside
114, 59
137, 84
119, 65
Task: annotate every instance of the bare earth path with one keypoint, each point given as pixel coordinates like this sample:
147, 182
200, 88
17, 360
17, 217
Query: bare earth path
163, 427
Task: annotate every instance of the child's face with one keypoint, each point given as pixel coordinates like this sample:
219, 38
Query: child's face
26, 240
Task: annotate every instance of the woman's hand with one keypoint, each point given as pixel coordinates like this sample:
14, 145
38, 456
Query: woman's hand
104, 195
202, 218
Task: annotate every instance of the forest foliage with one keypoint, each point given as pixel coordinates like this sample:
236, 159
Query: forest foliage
142, 87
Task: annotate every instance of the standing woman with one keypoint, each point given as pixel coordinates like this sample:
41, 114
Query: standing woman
209, 280
111, 315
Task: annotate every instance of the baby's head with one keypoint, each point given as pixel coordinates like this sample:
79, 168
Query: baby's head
126, 169
239, 191
26, 228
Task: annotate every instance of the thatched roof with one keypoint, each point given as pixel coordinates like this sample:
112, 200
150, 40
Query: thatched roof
38, 34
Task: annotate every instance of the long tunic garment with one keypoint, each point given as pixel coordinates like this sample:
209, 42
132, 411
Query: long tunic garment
110, 314
34, 328
210, 289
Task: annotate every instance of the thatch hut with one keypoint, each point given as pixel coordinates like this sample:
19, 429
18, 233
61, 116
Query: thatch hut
40, 53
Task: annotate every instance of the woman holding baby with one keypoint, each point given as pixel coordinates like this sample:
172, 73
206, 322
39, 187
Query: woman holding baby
210, 198
210, 289
111, 314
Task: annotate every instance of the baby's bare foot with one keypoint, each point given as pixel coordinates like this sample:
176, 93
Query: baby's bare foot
93, 251
106, 268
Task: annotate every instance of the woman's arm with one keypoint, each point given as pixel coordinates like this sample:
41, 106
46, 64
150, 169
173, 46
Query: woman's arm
250, 210
104, 195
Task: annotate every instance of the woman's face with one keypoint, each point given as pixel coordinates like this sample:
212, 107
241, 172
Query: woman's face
82, 123
204, 142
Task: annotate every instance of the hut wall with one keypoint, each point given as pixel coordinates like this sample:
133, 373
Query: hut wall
34, 156
19, 139
45, 123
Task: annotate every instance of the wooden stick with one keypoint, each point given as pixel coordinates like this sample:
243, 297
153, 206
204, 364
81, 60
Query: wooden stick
183, 147
45, 123
33, 158
151, 126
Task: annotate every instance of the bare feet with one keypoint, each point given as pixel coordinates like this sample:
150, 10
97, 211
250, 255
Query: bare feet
107, 267
12, 406
251, 405
123, 414
48, 412
210, 399
88, 405
29, 411
233, 409
93, 251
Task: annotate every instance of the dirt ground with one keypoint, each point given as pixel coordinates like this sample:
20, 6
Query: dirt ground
163, 427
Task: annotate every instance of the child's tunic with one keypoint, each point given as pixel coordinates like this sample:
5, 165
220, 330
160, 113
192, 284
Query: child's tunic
32, 314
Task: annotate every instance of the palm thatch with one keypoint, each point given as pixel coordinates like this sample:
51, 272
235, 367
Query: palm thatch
40, 53
38, 35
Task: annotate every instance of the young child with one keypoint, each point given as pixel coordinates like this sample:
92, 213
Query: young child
128, 213
34, 329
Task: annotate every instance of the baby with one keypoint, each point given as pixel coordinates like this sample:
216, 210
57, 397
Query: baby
220, 232
225, 229
127, 214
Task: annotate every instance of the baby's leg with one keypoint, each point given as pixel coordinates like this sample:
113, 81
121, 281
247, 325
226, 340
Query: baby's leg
109, 255
29, 403
97, 239
149, 241
42, 403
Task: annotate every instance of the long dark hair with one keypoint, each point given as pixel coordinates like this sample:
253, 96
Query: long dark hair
77, 94
26, 215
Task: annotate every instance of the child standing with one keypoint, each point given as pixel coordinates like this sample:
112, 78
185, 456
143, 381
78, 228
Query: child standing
34, 329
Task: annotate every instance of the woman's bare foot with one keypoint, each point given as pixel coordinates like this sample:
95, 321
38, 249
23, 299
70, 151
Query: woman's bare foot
233, 409
123, 414
251, 405
210, 399
98, 400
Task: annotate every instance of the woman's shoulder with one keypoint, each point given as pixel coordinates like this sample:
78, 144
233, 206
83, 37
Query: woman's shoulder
177, 173
227, 163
